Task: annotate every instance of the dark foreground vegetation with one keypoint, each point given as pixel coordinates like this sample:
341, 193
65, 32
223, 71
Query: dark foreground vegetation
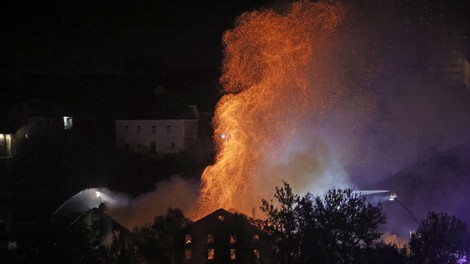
338, 227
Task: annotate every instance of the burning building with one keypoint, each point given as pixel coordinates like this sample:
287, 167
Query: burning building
224, 237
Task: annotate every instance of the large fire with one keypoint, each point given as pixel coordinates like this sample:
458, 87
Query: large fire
267, 78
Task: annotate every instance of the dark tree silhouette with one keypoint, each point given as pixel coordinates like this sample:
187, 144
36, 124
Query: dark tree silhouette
343, 225
282, 222
339, 227
157, 242
440, 238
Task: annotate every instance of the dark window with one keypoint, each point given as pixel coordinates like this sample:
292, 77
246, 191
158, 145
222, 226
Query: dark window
168, 129
154, 129
138, 129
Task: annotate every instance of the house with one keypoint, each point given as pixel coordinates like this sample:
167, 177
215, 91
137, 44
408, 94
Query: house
31, 122
224, 237
91, 237
164, 132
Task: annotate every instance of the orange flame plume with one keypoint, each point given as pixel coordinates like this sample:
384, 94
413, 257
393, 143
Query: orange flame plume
266, 79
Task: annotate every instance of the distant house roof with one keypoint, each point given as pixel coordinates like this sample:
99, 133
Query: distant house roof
218, 219
157, 113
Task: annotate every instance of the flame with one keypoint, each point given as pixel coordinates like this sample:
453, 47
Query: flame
266, 76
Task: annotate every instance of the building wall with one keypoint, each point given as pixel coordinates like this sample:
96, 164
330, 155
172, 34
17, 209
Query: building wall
162, 136
5, 145
467, 73
38, 127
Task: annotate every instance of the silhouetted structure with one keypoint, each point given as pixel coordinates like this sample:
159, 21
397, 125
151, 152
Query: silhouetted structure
224, 237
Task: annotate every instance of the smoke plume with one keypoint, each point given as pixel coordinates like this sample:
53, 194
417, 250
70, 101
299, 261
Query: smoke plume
324, 94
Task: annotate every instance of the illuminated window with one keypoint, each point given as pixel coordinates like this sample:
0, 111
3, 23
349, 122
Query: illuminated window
154, 129
255, 238
68, 122
168, 129
187, 253
126, 129
256, 253
187, 238
210, 238
210, 254
138, 129
221, 218
232, 254
233, 239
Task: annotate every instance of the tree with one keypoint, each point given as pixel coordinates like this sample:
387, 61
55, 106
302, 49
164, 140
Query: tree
157, 241
338, 227
343, 225
440, 238
282, 223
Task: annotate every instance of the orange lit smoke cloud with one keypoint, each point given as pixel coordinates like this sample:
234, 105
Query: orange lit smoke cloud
267, 80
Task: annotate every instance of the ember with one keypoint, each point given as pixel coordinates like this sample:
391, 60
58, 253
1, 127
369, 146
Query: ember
267, 80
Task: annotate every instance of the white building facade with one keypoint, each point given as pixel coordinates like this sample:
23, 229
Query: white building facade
156, 135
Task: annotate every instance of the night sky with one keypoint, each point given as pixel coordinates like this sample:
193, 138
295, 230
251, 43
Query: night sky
68, 38
174, 44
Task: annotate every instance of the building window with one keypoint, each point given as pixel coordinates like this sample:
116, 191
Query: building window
232, 254
210, 254
221, 218
68, 122
256, 253
255, 238
126, 128
154, 129
187, 253
233, 239
138, 129
187, 238
168, 129
210, 238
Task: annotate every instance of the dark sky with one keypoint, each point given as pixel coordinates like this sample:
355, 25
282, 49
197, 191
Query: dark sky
74, 37
46, 46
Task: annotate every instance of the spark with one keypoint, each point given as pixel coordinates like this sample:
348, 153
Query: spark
266, 78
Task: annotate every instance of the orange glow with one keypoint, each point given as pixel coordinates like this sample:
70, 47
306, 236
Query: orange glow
266, 77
